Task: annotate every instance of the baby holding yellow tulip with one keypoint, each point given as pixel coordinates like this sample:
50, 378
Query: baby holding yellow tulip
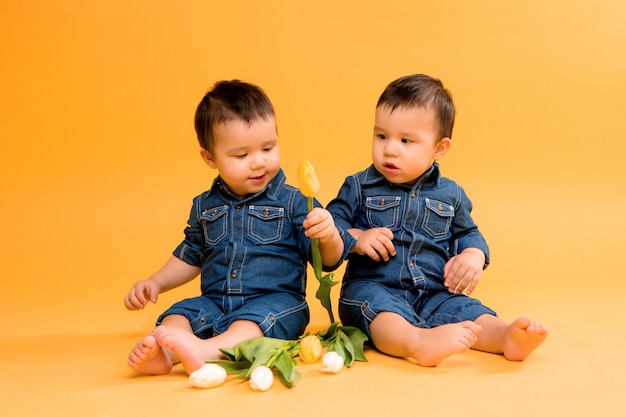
248, 237
417, 254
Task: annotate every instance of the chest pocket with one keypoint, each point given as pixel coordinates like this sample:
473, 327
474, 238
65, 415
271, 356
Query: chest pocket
383, 211
215, 224
265, 223
438, 217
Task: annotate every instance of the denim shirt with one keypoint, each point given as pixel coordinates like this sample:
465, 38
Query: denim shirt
250, 246
430, 222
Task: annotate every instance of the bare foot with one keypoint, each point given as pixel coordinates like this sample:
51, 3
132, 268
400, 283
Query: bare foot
437, 343
522, 337
192, 351
147, 357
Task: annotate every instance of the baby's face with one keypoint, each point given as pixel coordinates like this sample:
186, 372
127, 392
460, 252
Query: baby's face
246, 156
405, 143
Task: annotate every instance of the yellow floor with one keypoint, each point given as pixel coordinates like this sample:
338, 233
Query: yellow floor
66, 357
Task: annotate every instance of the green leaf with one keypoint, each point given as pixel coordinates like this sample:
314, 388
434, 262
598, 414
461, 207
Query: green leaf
347, 345
232, 367
358, 339
323, 294
252, 348
276, 354
338, 346
329, 333
285, 367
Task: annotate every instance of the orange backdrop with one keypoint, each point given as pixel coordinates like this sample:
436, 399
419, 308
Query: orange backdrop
99, 160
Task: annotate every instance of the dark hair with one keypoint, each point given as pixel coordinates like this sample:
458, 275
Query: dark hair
419, 90
230, 100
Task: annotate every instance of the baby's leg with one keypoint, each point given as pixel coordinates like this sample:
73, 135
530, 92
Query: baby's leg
193, 351
395, 336
515, 340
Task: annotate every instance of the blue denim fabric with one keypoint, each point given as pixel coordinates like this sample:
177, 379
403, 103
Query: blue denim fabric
253, 254
278, 314
361, 301
430, 221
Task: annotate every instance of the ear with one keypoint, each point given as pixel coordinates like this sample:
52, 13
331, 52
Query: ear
207, 157
442, 147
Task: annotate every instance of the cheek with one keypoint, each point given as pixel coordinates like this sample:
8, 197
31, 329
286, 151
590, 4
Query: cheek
376, 150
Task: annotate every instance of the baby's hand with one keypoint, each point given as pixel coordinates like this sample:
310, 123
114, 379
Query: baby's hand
319, 224
377, 243
142, 292
463, 271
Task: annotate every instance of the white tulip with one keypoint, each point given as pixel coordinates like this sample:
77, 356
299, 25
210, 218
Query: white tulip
208, 376
332, 363
261, 378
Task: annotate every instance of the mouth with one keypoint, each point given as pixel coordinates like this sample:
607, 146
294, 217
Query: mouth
391, 168
258, 179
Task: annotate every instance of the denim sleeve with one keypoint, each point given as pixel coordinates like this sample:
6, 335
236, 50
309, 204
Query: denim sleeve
190, 250
465, 233
344, 209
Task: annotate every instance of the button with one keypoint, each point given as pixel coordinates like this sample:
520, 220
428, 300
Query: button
382, 202
411, 264
214, 214
202, 320
266, 212
233, 275
238, 207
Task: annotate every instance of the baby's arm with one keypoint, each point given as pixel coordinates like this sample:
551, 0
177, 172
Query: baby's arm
173, 274
319, 224
463, 271
377, 243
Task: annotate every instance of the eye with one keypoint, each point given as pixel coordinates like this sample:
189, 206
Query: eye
241, 156
380, 136
405, 140
268, 149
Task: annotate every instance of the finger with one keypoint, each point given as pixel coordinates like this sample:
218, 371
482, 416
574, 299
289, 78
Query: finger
131, 303
387, 233
383, 253
453, 283
387, 245
460, 288
372, 252
381, 247
473, 284
150, 295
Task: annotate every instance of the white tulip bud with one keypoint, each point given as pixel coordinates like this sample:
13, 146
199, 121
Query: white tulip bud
208, 376
261, 378
332, 363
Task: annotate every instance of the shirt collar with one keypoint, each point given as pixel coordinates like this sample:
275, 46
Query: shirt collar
271, 190
372, 176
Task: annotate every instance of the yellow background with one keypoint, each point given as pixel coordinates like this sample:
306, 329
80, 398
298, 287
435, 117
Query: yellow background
99, 163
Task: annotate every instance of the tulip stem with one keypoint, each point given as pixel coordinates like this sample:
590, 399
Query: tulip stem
326, 282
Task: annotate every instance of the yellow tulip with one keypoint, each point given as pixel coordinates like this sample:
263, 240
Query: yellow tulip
309, 184
310, 349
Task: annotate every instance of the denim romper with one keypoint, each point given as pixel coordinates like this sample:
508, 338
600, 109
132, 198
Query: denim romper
253, 254
430, 222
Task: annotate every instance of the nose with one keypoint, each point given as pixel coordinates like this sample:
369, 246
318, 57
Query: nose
257, 160
390, 148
